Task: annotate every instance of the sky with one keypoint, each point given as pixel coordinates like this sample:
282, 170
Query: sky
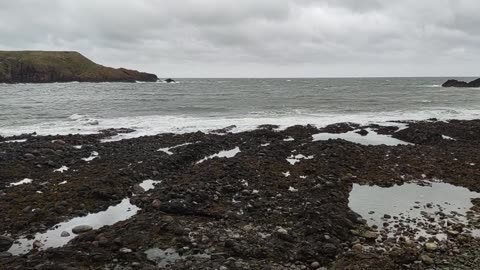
255, 38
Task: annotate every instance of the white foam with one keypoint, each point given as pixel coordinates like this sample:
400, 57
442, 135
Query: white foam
155, 124
22, 182
223, 154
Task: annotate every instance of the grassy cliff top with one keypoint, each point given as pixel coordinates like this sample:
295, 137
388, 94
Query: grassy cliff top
70, 60
54, 66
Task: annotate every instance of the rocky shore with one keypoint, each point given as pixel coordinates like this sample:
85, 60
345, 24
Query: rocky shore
262, 199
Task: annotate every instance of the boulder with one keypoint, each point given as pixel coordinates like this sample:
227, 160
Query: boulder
5, 243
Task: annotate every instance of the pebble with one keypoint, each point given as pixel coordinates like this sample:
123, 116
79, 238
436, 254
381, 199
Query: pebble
125, 250
315, 265
65, 234
81, 229
282, 231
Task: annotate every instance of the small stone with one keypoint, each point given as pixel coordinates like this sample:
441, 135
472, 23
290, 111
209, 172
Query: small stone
223, 267
137, 189
65, 234
156, 204
37, 244
370, 235
387, 216
61, 142
282, 231
426, 259
125, 250
82, 229
430, 246
357, 247
315, 265
29, 156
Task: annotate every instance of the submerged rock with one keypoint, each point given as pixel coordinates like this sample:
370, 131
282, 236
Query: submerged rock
81, 229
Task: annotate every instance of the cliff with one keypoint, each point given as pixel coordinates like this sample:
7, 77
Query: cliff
49, 66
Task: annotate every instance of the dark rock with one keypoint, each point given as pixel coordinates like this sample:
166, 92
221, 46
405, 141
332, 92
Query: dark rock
362, 132
5, 243
457, 83
81, 229
169, 80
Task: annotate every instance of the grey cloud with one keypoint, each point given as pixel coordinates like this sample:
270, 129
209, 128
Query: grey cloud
255, 37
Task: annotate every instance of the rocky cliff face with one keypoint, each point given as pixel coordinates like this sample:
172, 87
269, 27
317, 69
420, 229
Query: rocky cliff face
46, 67
456, 83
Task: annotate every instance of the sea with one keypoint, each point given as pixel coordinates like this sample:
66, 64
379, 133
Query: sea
207, 104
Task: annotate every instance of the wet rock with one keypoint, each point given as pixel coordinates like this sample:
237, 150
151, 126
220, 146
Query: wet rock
362, 132
5, 255
426, 259
137, 189
37, 244
81, 229
156, 204
431, 246
65, 234
369, 235
5, 243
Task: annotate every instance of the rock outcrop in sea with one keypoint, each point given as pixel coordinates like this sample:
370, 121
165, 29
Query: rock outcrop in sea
55, 66
457, 83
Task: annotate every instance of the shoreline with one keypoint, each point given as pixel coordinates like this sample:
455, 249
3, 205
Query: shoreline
234, 211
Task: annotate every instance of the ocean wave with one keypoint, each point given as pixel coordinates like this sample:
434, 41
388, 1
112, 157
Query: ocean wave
155, 124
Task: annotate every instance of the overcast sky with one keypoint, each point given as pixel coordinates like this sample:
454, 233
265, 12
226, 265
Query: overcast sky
255, 38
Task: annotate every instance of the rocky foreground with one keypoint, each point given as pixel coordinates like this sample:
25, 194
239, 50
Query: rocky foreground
51, 66
238, 212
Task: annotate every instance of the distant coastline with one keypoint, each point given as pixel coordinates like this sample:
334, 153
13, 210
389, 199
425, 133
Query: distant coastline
61, 66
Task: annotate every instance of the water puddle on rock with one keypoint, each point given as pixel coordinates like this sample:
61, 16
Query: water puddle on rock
167, 151
149, 184
297, 158
412, 210
53, 237
92, 156
22, 182
165, 257
372, 138
223, 154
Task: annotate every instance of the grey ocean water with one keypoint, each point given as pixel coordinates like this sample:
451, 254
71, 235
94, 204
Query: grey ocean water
204, 104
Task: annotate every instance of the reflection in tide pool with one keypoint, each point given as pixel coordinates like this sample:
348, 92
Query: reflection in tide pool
415, 206
372, 138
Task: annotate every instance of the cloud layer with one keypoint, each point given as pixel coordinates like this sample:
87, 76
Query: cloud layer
255, 38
